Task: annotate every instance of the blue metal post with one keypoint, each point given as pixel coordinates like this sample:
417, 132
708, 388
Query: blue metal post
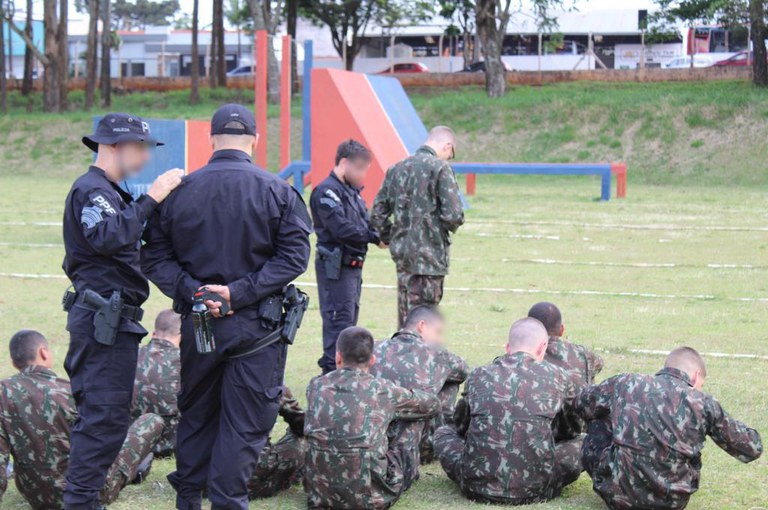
605, 186
306, 104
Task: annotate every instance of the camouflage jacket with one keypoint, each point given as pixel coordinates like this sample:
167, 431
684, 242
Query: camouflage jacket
36, 414
422, 198
348, 413
659, 424
509, 452
582, 364
406, 360
157, 379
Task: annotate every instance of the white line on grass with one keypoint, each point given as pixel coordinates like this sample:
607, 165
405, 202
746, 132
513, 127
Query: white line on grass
31, 223
33, 245
496, 290
630, 264
623, 226
519, 236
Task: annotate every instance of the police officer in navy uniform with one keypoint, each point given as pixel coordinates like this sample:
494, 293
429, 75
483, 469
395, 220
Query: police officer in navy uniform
242, 233
343, 234
102, 230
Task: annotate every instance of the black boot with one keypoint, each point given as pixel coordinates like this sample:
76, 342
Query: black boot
142, 472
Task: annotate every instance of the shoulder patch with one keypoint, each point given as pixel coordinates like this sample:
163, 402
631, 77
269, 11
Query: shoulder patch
98, 199
91, 216
330, 203
332, 195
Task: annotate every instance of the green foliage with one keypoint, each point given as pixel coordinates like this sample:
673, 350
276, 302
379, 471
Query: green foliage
128, 14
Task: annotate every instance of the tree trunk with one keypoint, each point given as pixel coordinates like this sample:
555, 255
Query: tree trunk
292, 15
221, 54
63, 43
91, 57
194, 70
3, 80
466, 52
492, 38
350, 63
213, 53
51, 81
29, 57
106, 49
760, 64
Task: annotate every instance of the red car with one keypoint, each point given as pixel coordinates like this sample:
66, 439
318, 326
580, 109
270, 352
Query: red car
741, 59
407, 67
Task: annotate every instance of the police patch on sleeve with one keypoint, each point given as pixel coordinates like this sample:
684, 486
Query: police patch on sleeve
330, 203
91, 216
332, 195
99, 200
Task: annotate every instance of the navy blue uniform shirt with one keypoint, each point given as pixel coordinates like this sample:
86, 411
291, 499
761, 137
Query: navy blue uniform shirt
341, 218
229, 223
102, 231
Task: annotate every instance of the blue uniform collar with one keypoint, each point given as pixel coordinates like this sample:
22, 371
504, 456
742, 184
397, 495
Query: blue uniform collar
230, 154
346, 185
127, 197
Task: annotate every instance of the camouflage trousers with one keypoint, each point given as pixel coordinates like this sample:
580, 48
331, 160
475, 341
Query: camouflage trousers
142, 437
414, 290
167, 443
447, 396
449, 449
280, 466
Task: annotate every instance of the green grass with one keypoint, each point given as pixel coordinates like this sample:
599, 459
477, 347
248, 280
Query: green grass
515, 224
491, 251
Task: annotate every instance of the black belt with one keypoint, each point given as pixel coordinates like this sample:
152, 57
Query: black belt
353, 260
130, 312
260, 344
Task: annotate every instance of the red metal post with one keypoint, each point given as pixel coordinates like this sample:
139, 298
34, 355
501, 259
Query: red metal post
260, 101
620, 171
285, 104
471, 184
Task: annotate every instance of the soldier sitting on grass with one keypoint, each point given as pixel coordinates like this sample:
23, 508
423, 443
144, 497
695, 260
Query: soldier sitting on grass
506, 452
415, 358
646, 433
581, 363
351, 463
37, 411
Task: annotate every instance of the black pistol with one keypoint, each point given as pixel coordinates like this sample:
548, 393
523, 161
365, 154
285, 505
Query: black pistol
295, 304
108, 312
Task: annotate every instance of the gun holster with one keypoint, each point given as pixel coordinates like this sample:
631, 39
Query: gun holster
106, 320
331, 261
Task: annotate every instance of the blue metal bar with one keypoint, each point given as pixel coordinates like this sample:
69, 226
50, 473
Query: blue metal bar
306, 103
297, 170
604, 171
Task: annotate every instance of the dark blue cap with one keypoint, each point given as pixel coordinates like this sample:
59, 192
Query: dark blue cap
233, 113
114, 128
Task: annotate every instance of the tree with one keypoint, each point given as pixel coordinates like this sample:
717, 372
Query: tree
106, 53
3, 79
760, 64
291, 19
29, 58
463, 13
266, 16
194, 70
348, 19
237, 14
492, 18
139, 14
91, 52
218, 76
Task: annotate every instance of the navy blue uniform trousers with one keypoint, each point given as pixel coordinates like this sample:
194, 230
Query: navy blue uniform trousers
228, 408
339, 307
102, 384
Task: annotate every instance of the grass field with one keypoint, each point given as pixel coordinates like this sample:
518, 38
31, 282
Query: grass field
669, 265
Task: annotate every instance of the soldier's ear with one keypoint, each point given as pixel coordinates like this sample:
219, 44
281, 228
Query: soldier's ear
373, 360
562, 329
339, 361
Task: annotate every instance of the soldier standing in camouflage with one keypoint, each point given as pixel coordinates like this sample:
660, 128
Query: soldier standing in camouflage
37, 413
646, 433
350, 462
414, 358
416, 211
581, 363
507, 452
157, 378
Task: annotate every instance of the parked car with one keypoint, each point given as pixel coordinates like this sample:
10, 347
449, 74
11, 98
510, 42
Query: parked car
741, 59
241, 71
406, 67
685, 62
479, 67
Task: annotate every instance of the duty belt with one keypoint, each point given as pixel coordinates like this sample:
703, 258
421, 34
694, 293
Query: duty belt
353, 261
130, 312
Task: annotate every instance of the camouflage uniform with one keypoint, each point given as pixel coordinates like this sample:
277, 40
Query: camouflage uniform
644, 441
406, 360
156, 387
350, 463
36, 413
582, 365
509, 454
421, 195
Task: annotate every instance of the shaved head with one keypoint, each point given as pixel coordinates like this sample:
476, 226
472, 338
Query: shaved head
528, 335
687, 360
442, 140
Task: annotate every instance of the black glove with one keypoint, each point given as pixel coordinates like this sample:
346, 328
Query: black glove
461, 416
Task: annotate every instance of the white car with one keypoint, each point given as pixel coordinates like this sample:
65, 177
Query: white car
685, 62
